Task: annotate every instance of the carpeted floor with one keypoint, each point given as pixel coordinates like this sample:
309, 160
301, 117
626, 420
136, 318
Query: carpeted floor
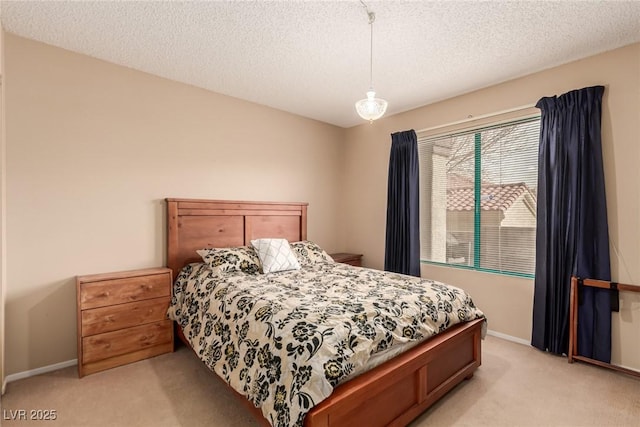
515, 386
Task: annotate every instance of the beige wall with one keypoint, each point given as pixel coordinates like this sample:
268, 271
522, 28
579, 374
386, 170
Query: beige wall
92, 151
507, 301
93, 148
3, 239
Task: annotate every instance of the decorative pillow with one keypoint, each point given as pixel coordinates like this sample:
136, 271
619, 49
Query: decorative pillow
275, 255
223, 260
309, 253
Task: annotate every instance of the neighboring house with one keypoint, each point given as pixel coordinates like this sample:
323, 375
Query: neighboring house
507, 217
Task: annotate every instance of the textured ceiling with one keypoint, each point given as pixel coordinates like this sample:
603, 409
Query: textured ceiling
312, 58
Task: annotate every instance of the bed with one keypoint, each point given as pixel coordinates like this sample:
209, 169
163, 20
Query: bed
394, 392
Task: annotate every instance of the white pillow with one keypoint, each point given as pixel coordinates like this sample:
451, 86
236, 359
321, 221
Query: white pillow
275, 255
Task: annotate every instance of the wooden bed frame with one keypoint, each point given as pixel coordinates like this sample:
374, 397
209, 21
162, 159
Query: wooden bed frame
395, 392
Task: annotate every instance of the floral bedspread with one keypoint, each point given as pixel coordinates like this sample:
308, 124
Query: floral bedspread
285, 340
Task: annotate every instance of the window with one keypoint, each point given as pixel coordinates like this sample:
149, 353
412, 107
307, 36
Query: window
478, 192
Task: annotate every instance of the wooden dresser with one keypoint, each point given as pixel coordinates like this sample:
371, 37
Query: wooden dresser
122, 318
347, 258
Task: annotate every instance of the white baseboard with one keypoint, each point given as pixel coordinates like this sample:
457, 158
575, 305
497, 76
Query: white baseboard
39, 371
629, 368
508, 337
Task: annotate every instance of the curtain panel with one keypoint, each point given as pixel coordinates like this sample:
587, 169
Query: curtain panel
402, 243
572, 235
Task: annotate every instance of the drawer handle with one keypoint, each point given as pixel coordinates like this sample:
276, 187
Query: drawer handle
105, 294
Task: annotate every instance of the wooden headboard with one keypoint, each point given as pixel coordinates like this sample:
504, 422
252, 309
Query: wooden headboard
197, 224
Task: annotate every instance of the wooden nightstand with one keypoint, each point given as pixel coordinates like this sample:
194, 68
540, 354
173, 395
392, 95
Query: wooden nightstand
122, 318
346, 258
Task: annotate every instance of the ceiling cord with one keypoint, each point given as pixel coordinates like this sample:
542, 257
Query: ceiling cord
372, 18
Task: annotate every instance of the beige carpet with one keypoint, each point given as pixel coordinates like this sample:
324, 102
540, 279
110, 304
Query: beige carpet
515, 386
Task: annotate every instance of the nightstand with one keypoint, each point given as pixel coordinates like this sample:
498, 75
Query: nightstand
347, 258
122, 318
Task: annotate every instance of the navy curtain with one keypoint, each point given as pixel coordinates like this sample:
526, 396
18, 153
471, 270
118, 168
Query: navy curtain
402, 246
572, 235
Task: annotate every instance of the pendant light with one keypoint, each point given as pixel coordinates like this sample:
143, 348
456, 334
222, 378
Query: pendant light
371, 108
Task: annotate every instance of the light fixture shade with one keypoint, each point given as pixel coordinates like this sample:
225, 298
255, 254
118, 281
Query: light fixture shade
371, 108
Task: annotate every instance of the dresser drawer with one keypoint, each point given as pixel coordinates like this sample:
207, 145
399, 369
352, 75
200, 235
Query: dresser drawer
106, 319
110, 344
119, 291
